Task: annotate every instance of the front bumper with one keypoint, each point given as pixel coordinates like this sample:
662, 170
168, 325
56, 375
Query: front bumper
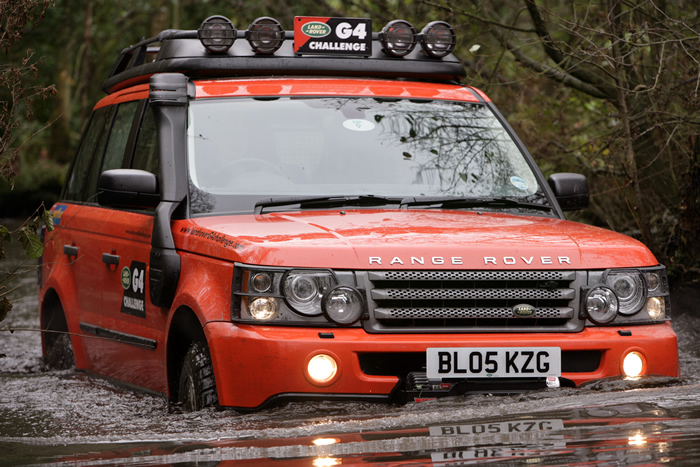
257, 365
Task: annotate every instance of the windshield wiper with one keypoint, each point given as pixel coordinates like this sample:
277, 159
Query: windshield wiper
310, 202
456, 202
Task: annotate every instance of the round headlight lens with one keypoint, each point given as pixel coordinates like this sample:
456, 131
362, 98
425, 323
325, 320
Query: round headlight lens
601, 305
629, 288
263, 308
303, 290
653, 281
343, 305
656, 308
262, 282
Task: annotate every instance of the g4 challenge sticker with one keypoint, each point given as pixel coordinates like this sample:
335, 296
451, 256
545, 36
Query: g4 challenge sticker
134, 284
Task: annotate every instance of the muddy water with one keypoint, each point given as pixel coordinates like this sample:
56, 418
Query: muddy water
68, 418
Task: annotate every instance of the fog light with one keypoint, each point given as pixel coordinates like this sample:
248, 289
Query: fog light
322, 368
601, 305
263, 308
656, 308
633, 365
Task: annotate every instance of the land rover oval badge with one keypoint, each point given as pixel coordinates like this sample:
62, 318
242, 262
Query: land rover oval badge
524, 311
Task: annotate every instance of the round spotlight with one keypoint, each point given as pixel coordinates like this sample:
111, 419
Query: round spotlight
342, 305
322, 369
633, 365
601, 305
398, 38
265, 35
438, 39
217, 34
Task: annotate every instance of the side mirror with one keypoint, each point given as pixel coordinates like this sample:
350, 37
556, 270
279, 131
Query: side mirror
570, 189
128, 188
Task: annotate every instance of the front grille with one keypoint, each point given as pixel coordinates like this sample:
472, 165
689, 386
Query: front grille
473, 301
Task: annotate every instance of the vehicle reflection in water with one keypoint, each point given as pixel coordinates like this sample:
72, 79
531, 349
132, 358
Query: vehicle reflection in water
627, 434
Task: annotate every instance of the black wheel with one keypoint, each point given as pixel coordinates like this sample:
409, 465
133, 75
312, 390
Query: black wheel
197, 388
59, 351
57, 345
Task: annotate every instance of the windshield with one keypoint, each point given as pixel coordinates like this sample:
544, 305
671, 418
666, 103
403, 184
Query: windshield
244, 150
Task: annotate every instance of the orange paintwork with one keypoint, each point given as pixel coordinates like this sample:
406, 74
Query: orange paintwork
274, 356
255, 363
335, 87
356, 239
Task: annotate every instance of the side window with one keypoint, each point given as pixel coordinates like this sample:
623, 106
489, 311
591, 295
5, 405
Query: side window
116, 144
146, 152
76, 180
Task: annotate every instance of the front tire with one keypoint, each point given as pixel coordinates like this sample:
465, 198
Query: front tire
59, 351
197, 388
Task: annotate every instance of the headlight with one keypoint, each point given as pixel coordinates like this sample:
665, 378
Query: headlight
272, 295
656, 308
601, 305
343, 305
630, 290
303, 290
263, 308
641, 294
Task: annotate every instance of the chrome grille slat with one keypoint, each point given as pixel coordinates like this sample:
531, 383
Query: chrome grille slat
473, 294
428, 301
468, 313
471, 275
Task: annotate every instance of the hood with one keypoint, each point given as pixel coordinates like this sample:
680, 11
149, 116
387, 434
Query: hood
409, 239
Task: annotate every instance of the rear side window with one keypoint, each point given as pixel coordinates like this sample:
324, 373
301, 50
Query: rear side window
76, 180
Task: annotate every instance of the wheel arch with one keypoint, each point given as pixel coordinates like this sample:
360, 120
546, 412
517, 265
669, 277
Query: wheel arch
52, 316
185, 328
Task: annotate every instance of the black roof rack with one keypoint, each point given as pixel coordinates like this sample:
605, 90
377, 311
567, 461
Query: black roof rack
180, 51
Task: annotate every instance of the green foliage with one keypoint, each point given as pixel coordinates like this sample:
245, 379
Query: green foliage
553, 67
32, 245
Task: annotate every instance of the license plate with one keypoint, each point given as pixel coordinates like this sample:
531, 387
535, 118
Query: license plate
493, 362
499, 428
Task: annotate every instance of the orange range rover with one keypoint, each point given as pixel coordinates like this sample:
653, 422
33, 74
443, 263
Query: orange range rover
329, 213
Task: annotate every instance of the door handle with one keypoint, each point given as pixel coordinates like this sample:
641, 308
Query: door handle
111, 260
70, 251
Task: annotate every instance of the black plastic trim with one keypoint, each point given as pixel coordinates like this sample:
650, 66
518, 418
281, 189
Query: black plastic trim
117, 336
312, 396
181, 52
